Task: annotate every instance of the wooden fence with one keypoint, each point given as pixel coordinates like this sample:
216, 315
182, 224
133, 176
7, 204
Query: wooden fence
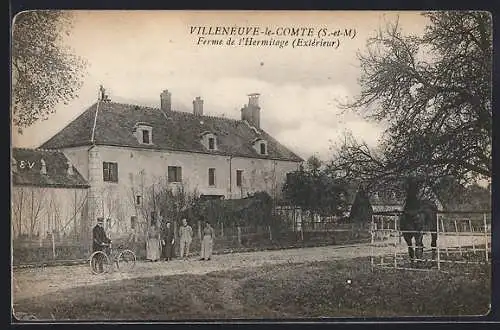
290, 232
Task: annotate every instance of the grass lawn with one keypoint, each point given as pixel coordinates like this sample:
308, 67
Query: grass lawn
341, 288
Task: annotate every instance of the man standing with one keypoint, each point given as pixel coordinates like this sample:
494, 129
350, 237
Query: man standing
168, 241
100, 241
185, 238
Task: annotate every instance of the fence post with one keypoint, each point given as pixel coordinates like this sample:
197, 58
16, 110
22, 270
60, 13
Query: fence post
53, 246
397, 228
176, 238
239, 235
443, 230
437, 243
301, 233
472, 233
372, 242
199, 230
485, 237
222, 229
270, 233
458, 240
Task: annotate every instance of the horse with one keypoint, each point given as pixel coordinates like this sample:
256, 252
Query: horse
419, 216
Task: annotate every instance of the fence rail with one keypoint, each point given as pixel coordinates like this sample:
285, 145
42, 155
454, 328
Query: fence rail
227, 238
462, 237
295, 228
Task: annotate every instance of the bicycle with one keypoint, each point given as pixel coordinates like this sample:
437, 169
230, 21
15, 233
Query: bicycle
123, 258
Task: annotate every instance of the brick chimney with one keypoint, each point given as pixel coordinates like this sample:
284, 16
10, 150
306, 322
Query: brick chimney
70, 168
14, 165
198, 106
43, 169
251, 111
166, 100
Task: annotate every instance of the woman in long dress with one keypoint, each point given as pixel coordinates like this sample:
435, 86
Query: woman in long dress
153, 247
207, 242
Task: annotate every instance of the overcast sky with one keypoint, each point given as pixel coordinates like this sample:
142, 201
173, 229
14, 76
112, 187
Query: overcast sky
136, 55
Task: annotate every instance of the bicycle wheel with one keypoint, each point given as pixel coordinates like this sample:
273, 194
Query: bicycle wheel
99, 262
126, 260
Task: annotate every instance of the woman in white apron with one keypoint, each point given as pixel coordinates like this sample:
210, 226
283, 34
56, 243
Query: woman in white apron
207, 242
153, 247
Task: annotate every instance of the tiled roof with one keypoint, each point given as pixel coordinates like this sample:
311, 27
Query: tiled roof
392, 196
28, 166
172, 130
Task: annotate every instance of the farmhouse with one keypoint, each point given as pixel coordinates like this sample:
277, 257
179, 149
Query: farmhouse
392, 198
48, 195
123, 149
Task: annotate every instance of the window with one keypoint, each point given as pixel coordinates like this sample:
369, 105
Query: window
145, 137
174, 174
138, 200
211, 143
211, 176
209, 140
153, 218
143, 132
133, 221
262, 148
239, 177
110, 171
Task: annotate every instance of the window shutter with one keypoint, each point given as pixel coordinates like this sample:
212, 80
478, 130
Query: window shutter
105, 176
170, 174
115, 172
211, 176
239, 174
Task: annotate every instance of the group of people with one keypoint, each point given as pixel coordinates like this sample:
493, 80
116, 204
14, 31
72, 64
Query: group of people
160, 243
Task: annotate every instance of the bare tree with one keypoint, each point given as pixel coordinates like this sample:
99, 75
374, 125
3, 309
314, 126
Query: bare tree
434, 94
79, 202
18, 205
37, 204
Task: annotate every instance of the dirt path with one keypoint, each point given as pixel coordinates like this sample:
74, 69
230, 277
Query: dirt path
38, 281
33, 282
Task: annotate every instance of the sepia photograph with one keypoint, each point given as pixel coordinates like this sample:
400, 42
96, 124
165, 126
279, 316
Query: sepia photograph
249, 165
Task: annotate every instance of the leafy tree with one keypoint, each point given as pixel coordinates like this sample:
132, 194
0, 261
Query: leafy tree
456, 196
44, 71
313, 165
314, 190
433, 93
361, 209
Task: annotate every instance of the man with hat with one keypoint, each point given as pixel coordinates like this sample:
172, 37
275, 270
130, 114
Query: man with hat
185, 239
100, 240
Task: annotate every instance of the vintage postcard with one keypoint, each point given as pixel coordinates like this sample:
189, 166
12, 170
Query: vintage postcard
246, 165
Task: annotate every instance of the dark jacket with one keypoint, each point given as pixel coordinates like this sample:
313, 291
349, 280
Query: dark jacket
99, 238
167, 234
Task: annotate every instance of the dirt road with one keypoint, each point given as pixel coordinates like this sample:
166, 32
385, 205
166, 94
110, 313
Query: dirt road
38, 281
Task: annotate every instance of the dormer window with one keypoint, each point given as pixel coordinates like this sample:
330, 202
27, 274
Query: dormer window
145, 136
211, 143
143, 133
209, 140
260, 146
